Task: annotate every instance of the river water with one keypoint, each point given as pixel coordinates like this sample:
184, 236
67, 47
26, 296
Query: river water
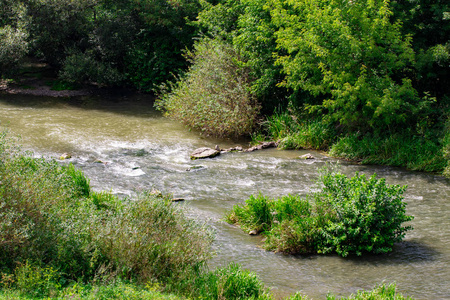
141, 150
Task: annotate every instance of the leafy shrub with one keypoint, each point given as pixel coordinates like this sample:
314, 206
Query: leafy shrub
347, 216
214, 95
365, 215
151, 239
83, 67
36, 281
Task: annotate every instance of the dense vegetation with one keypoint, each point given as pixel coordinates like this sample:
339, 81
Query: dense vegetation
369, 72
346, 216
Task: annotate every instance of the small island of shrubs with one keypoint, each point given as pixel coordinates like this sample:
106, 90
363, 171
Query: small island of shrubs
346, 216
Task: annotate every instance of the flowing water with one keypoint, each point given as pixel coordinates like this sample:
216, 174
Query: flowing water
140, 150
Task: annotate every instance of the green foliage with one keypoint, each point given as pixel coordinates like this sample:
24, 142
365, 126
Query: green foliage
256, 215
36, 281
413, 152
112, 290
366, 214
83, 67
13, 36
427, 22
381, 292
347, 216
247, 26
151, 239
293, 132
59, 26
231, 282
214, 96
335, 50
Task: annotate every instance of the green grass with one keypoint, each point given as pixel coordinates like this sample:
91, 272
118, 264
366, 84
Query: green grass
412, 152
294, 133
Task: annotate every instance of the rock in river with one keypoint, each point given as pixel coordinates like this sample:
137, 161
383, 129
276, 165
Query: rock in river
307, 156
65, 156
204, 153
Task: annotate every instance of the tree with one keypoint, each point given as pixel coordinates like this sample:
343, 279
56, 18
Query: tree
349, 54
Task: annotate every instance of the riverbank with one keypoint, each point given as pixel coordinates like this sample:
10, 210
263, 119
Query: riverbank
429, 151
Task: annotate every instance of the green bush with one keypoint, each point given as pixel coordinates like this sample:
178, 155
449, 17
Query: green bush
13, 48
256, 215
84, 67
347, 216
364, 214
214, 95
37, 281
149, 238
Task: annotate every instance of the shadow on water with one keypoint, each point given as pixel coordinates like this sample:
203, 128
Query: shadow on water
124, 102
404, 252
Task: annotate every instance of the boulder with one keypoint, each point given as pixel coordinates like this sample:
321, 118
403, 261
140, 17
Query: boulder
307, 156
204, 152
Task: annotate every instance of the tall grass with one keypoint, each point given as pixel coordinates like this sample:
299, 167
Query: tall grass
292, 132
413, 152
429, 151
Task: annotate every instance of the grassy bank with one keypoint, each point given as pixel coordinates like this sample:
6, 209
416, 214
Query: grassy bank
59, 240
427, 151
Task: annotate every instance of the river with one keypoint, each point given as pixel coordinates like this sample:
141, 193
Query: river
140, 150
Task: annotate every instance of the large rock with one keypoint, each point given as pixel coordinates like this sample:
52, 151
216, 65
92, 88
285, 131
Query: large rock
204, 153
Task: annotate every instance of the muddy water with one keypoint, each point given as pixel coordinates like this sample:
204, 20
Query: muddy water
140, 150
